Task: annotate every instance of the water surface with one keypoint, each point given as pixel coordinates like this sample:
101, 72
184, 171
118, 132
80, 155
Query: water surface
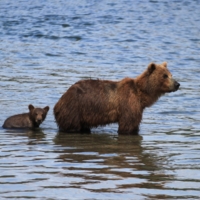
46, 46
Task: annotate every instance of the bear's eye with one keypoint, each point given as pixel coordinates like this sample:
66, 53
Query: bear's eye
165, 76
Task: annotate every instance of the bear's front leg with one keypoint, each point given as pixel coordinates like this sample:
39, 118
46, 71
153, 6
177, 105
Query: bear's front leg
129, 125
128, 130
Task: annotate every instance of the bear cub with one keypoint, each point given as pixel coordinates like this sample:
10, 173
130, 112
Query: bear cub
32, 119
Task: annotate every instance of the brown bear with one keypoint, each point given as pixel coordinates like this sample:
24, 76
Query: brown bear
90, 103
33, 119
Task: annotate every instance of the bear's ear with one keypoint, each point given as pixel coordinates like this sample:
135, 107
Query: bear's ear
31, 107
151, 67
164, 64
46, 109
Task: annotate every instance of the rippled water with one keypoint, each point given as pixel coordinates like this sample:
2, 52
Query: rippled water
46, 46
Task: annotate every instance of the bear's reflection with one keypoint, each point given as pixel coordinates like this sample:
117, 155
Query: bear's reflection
36, 133
112, 156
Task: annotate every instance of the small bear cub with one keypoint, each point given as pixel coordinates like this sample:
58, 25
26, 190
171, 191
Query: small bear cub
33, 119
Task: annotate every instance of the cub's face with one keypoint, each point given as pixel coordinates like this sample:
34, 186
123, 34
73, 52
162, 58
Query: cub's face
38, 115
161, 79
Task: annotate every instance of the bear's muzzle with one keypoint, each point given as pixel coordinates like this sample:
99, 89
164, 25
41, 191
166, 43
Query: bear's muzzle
176, 86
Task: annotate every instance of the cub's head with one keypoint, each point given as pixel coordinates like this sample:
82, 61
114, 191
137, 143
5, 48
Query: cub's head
37, 115
160, 79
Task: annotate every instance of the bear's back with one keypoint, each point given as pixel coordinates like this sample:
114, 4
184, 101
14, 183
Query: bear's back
18, 121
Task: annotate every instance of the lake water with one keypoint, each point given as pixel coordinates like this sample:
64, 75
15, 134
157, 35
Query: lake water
46, 46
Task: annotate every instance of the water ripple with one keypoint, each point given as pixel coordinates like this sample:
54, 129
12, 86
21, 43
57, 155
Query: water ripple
48, 46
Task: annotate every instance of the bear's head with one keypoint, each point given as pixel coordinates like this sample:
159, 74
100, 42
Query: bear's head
157, 80
37, 115
160, 79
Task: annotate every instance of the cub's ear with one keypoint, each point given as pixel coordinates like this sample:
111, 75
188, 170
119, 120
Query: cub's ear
164, 64
46, 109
151, 67
31, 107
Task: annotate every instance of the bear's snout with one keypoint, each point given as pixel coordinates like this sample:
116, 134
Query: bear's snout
176, 85
39, 120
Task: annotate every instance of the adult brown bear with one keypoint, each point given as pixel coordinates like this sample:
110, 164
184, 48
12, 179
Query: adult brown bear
90, 103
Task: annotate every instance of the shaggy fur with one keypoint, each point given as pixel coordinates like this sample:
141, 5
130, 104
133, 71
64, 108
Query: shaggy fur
33, 119
90, 103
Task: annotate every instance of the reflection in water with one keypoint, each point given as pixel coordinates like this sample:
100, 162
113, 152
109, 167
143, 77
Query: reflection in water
31, 133
99, 156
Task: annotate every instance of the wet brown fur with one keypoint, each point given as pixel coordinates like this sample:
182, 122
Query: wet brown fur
33, 119
90, 103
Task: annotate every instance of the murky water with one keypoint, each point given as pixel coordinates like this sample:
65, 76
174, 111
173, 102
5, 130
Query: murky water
46, 46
